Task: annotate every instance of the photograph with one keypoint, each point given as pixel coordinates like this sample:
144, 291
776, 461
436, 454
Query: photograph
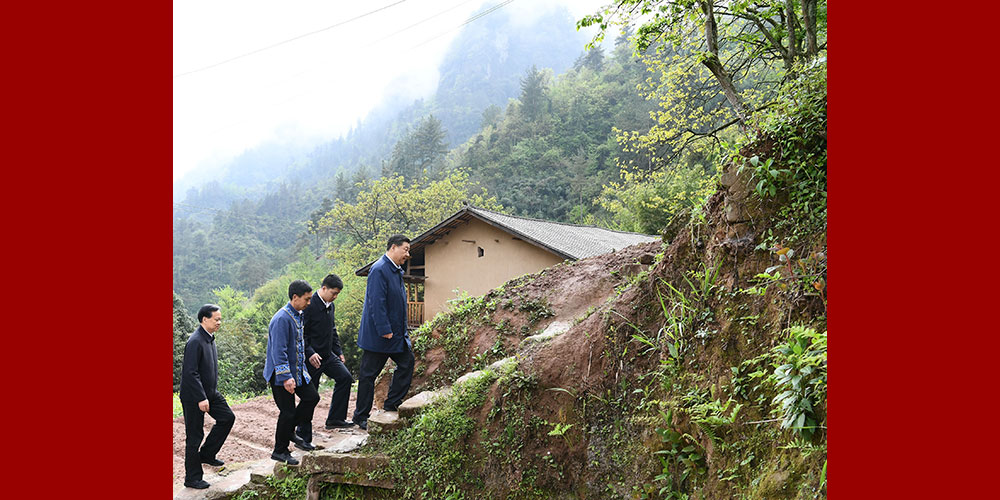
492, 249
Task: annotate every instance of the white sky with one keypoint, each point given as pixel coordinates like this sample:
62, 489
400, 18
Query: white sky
316, 86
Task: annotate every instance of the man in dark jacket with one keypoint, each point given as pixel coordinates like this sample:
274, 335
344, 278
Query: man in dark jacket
199, 394
284, 369
383, 334
324, 355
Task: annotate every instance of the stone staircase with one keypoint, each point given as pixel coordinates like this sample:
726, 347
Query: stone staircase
335, 461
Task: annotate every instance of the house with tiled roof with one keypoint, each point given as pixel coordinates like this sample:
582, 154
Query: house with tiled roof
476, 250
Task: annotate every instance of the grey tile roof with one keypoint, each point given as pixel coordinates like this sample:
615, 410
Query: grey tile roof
569, 240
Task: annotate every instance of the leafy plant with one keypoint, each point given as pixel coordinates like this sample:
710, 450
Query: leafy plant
678, 320
681, 460
559, 429
796, 163
704, 281
291, 487
800, 373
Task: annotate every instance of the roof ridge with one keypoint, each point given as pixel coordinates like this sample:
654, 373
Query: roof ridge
473, 207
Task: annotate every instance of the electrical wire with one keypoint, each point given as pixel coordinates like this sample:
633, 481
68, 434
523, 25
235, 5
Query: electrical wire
283, 42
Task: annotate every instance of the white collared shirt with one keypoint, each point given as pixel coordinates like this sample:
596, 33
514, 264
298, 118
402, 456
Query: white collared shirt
325, 303
393, 262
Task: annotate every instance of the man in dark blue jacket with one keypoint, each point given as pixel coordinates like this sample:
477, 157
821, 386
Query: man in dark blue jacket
383, 334
200, 395
285, 371
324, 355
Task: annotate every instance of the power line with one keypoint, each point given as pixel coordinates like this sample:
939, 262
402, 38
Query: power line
231, 59
249, 115
439, 14
467, 21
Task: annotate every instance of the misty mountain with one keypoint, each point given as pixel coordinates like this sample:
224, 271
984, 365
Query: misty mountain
482, 67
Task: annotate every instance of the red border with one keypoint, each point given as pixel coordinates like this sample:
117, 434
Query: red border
910, 126
88, 175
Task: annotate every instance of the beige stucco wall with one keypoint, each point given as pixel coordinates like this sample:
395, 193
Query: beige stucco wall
452, 263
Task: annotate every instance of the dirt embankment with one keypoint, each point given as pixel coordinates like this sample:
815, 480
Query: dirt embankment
565, 293
587, 407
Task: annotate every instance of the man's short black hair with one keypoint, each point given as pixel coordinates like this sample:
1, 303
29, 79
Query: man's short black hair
396, 239
333, 281
298, 288
206, 311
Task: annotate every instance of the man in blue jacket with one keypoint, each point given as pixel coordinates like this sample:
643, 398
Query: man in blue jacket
285, 370
324, 355
383, 334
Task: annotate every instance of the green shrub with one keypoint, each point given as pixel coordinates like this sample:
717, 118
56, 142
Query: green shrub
800, 373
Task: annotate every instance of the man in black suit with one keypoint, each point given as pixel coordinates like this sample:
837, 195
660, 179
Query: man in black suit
200, 395
324, 355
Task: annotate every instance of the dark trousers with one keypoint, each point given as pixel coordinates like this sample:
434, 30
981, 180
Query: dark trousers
371, 365
335, 369
194, 422
290, 415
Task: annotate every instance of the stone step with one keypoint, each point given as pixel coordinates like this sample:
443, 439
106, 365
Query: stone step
383, 421
412, 406
344, 468
225, 481
468, 376
554, 328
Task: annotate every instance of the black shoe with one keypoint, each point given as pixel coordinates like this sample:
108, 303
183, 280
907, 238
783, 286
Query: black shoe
199, 484
390, 408
362, 424
284, 457
302, 444
339, 424
214, 462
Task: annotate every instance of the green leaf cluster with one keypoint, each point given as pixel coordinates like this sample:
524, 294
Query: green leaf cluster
800, 375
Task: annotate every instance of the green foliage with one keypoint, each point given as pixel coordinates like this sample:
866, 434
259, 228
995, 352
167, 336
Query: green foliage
461, 317
549, 153
752, 32
291, 487
242, 339
537, 309
711, 69
647, 202
800, 373
388, 206
795, 165
419, 154
711, 415
242, 246
534, 87
682, 460
354, 492
178, 407
430, 455
559, 429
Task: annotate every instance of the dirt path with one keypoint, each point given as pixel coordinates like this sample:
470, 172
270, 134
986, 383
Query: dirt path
252, 437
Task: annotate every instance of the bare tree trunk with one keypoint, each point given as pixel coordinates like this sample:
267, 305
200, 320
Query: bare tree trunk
715, 65
809, 19
792, 39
